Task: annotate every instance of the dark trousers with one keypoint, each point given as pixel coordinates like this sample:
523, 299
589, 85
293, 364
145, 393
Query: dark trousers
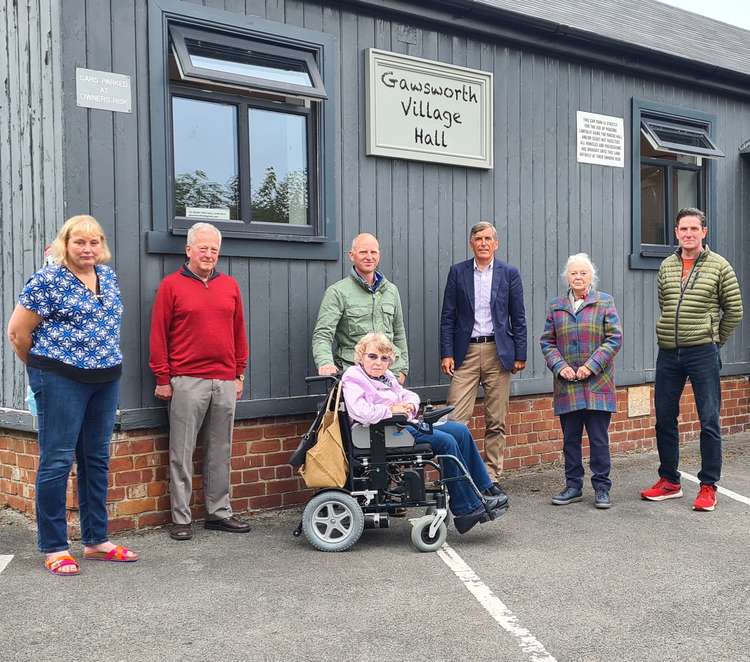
673, 366
597, 427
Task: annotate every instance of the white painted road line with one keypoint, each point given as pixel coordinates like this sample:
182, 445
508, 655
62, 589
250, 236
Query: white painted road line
721, 490
494, 606
5, 559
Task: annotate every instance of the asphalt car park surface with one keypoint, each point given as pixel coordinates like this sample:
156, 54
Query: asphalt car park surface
641, 581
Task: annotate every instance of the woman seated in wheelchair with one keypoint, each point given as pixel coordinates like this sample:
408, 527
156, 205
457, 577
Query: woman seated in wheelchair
372, 393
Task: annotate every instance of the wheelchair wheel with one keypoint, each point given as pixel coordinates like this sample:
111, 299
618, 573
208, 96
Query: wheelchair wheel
333, 521
420, 535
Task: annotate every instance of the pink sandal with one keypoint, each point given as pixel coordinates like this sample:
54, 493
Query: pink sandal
118, 554
55, 565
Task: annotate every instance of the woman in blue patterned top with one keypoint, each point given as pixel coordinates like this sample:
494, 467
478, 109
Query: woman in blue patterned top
66, 329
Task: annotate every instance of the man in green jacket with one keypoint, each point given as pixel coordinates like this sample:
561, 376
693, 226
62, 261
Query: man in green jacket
701, 305
363, 302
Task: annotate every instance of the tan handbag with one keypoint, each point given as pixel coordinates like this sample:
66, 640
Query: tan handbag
325, 463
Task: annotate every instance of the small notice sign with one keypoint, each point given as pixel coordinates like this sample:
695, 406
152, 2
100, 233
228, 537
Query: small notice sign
103, 90
208, 213
601, 139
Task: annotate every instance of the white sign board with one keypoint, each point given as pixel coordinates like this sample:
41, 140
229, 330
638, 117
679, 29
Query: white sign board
208, 213
428, 111
601, 139
103, 90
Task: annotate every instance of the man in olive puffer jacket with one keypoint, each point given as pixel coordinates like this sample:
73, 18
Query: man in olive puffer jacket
701, 305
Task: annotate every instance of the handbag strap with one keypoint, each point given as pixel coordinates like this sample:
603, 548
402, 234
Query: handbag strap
339, 388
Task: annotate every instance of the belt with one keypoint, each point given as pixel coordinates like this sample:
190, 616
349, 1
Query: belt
482, 339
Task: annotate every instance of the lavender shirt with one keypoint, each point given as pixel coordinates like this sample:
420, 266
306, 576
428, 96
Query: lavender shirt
482, 293
369, 400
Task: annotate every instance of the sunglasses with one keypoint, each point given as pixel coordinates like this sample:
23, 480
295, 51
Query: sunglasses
375, 357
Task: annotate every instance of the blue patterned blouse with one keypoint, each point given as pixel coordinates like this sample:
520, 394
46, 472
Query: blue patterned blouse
79, 328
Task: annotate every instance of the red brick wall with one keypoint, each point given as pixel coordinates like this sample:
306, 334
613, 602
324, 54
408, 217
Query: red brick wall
261, 479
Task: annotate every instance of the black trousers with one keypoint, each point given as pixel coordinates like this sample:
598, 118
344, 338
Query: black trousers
597, 427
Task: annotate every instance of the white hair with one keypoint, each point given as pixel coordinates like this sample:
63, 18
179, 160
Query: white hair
201, 227
580, 258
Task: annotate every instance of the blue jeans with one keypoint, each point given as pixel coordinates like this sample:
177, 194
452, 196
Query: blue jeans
702, 365
74, 419
453, 438
597, 427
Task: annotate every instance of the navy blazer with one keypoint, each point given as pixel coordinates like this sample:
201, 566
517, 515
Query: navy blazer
508, 314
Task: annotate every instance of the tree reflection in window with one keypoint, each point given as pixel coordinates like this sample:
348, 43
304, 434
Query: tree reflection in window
278, 167
282, 201
194, 189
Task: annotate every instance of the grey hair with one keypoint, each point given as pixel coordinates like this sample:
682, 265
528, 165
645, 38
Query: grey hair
201, 227
585, 259
483, 225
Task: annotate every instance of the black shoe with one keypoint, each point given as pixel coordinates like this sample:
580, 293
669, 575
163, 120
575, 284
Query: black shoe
495, 490
181, 531
601, 499
229, 524
568, 495
496, 502
464, 523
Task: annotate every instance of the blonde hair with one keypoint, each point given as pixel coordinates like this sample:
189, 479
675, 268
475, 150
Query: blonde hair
380, 340
81, 224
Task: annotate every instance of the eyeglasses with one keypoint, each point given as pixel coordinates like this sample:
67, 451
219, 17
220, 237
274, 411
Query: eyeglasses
375, 357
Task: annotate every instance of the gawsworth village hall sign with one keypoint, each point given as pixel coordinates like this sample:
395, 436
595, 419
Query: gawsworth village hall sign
428, 111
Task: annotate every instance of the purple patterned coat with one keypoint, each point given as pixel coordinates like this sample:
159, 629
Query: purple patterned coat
590, 337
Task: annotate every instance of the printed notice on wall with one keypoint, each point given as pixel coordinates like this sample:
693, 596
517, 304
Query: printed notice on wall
103, 90
601, 139
428, 111
208, 213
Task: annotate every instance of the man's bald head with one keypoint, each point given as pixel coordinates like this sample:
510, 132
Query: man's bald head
365, 255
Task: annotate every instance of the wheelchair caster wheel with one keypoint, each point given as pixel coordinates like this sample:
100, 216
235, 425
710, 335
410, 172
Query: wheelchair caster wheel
333, 521
421, 538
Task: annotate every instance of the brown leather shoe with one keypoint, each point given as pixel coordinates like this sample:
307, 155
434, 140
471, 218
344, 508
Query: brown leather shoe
229, 524
181, 531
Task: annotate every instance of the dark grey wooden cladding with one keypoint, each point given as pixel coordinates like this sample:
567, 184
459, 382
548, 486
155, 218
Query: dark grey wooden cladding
31, 186
544, 204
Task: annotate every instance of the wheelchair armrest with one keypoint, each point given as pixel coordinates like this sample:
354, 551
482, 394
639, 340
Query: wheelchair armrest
398, 419
323, 378
436, 414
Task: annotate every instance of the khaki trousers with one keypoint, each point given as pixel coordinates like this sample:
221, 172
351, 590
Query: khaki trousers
207, 406
481, 366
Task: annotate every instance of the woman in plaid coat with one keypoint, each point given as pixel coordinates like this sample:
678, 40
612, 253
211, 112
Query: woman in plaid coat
582, 335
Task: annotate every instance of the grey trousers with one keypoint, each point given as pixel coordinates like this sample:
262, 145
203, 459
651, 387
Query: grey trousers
205, 405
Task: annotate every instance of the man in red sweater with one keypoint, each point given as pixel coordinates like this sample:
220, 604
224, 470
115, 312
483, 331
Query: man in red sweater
199, 354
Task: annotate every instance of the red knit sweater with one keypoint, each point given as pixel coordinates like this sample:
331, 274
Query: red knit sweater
198, 329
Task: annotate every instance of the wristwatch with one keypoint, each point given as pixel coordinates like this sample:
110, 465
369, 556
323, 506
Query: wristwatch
241, 377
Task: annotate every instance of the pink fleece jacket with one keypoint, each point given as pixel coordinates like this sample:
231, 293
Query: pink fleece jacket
369, 400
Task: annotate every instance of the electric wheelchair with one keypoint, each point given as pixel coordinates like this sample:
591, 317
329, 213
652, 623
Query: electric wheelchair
388, 471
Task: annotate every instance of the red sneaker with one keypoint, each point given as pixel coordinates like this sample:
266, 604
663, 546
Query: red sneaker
706, 499
661, 490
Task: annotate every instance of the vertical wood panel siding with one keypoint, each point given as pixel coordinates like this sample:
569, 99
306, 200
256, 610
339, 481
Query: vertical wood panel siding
544, 204
31, 199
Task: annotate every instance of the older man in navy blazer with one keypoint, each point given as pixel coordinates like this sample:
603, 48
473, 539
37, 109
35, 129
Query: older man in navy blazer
483, 339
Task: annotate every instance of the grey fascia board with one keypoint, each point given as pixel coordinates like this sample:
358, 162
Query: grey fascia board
537, 33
